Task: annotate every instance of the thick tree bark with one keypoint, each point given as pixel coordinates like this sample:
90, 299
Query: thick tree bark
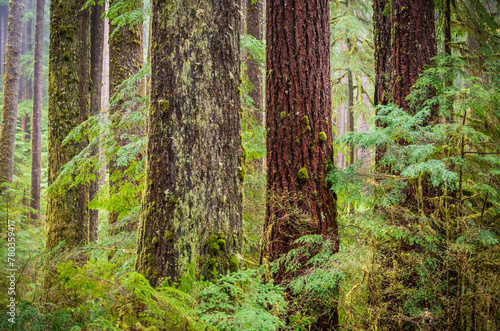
414, 45
254, 18
192, 208
96, 68
125, 59
10, 91
299, 127
69, 104
36, 132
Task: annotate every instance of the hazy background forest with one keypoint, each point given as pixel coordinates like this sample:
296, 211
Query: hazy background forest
163, 167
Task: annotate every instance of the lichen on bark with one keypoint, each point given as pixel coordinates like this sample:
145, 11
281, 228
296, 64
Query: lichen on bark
194, 149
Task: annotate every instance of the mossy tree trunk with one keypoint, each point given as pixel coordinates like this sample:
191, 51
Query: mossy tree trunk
11, 91
299, 128
125, 59
36, 131
96, 60
192, 206
69, 104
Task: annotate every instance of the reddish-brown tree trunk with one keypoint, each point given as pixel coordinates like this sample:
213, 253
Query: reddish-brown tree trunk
36, 132
299, 127
414, 45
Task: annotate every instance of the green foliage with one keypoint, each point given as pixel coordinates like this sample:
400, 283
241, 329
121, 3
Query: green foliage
242, 301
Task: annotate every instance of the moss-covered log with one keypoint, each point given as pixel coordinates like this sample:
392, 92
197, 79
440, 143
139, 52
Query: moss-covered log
69, 104
11, 91
192, 205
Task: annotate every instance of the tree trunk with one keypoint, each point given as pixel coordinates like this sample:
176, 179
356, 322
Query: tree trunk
28, 90
413, 47
10, 92
5, 30
299, 127
192, 208
3, 8
104, 92
96, 68
126, 59
69, 103
383, 58
36, 132
254, 28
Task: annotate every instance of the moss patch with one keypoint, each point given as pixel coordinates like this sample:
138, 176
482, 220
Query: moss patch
303, 175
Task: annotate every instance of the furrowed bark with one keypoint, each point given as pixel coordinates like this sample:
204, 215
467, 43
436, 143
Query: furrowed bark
414, 44
299, 128
192, 207
11, 91
69, 105
36, 131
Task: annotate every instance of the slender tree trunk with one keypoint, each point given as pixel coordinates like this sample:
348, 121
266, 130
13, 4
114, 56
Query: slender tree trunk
3, 42
447, 26
69, 104
350, 113
96, 68
192, 208
28, 83
5, 29
126, 59
10, 92
299, 127
254, 28
36, 132
242, 7
383, 64
105, 91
